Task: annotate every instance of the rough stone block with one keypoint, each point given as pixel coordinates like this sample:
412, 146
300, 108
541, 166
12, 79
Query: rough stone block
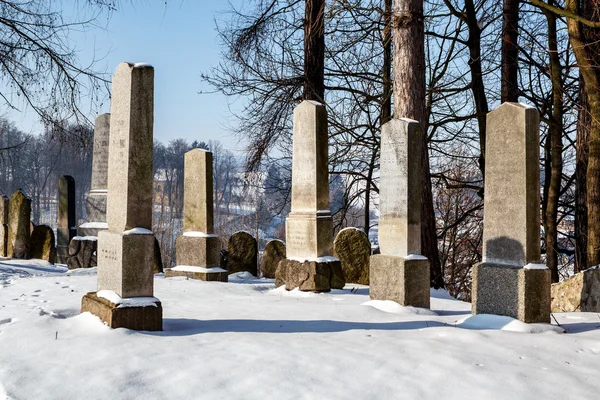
405, 281
581, 292
82, 253
126, 264
148, 318
311, 276
199, 251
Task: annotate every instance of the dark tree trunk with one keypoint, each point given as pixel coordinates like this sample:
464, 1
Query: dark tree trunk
386, 106
583, 135
314, 51
409, 102
510, 51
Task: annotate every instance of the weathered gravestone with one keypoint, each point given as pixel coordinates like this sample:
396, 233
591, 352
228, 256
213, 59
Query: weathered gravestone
309, 263
353, 248
242, 251
3, 226
273, 253
126, 249
95, 203
83, 252
42, 243
66, 229
510, 279
198, 247
19, 225
400, 273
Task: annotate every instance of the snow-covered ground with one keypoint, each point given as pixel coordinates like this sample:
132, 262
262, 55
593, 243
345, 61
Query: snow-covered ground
247, 340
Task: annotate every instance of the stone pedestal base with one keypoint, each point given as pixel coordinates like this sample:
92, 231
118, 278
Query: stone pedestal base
308, 234
200, 251
405, 281
126, 263
201, 274
520, 293
148, 318
310, 276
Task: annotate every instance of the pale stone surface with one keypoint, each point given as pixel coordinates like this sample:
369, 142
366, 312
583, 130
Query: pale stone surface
126, 261
405, 281
66, 229
511, 224
198, 251
42, 244
19, 225
581, 292
97, 196
3, 225
353, 248
400, 188
242, 252
511, 217
273, 253
198, 192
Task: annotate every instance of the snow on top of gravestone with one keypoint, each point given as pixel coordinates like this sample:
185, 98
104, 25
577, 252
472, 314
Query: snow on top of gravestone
141, 65
127, 302
99, 225
138, 231
316, 259
91, 238
200, 149
193, 268
526, 106
415, 257
408, 120
351, 228
535, 266
198, 234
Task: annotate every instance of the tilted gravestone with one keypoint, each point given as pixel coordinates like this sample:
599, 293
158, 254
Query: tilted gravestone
353, 248
42, 243
126, 249
66, 229
19, 225
309, 263
510, 279
95, 203
242, 251
3, 226
400, 273
273, 253
198, 247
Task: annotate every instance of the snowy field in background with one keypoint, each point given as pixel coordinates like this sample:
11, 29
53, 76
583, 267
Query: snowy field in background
247, 340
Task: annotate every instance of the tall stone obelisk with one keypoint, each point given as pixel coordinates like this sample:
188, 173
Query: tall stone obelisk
309, 263
126, 249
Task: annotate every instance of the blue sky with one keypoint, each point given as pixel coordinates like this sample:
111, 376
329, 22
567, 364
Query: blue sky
180, 40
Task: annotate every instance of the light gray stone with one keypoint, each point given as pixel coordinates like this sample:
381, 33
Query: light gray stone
66, 228
510, 281
198, 192
405, 281
97, 196
198, 251
19, 226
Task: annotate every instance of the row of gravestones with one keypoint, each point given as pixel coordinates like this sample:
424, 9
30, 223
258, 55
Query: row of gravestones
19, 237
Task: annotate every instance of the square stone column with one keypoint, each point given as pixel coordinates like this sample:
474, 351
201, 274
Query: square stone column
400, 273
126, 249
95, 203
510, 279
66, 217
198, 247
309, 227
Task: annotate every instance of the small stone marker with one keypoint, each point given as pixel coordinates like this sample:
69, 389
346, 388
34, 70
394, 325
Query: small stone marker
66, 229
42, 244
273, 253
19, 226
83, 252
400, 273
3, 226
310, 265
126, 249
198, 247
95, 203
510, 279
242, 252
353, 248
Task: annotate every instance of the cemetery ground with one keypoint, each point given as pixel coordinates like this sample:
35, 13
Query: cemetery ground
248, 340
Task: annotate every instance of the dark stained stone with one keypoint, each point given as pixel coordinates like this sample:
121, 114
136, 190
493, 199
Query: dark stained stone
242, 252
353, 248
273, 253
42, 244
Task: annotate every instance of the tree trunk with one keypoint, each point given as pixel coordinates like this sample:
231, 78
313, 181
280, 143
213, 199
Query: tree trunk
556, 147
409, 102
583, 134
386, 106
314, 51
586, 48
510, 51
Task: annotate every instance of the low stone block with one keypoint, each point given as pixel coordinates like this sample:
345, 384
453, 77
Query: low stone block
42, 243
82, 252
148, 318
208, 276
512, 291
200, 251
581, 292
310, 276
405, 281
